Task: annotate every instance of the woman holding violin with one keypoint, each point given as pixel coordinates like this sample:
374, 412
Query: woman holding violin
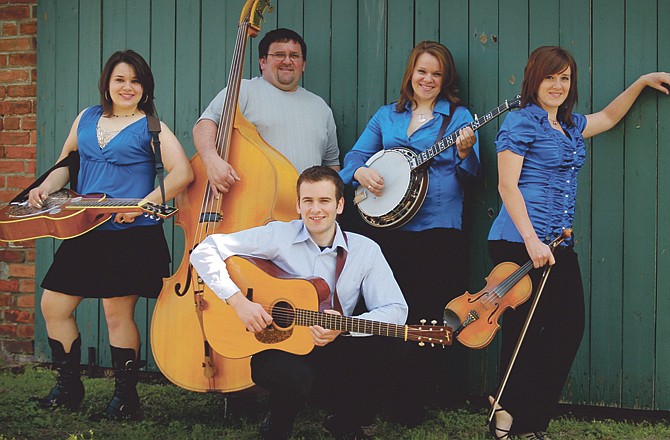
540, 151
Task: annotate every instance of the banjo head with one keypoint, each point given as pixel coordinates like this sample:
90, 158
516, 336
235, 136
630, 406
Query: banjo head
394, 167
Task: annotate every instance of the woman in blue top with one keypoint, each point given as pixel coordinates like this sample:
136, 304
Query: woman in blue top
427, 253
540, 151
125, 257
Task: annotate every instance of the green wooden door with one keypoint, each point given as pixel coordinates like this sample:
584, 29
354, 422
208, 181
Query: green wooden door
357, 53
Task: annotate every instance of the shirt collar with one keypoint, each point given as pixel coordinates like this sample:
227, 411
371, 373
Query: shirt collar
536, 111
303, 235
441, 106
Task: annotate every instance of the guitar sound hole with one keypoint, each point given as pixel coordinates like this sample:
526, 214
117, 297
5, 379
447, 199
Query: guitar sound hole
283, 315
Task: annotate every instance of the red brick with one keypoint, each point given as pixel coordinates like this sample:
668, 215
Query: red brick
25, 331
19, 182
28, 123
3, 92
27, 286
18, 107
14, 75
22, 270
12, 166
14, 137
17, 346
5, 299
22, 59
10, 123
20, 44
26, 301
8, 329
28, 28
22, 91
19, 152
14, 12
12, 256
19, 316
9, 29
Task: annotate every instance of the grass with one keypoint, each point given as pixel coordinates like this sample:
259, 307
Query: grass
172, 413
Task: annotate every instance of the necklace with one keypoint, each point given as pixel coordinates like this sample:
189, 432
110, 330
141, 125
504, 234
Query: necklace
124, 116
553, 121
421, 117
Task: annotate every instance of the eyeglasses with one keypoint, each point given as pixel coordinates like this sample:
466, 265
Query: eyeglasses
281, 56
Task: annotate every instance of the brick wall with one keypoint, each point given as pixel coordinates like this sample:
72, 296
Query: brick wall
18, 78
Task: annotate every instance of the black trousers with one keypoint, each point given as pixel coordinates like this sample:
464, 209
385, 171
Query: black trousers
344, 376
551, 342
431, 268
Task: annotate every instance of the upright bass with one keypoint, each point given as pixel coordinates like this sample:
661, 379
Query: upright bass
266, 192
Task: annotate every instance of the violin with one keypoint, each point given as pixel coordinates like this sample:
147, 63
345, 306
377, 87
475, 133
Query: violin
474, 317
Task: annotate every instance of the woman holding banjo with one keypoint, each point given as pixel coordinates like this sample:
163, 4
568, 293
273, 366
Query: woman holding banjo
426, 253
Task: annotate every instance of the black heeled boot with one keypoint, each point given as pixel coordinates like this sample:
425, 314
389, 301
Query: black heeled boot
69, 390
125, 403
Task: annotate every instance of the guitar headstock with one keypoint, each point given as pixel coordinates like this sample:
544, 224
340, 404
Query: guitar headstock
157, 210
514, 103
429, 334
253, 10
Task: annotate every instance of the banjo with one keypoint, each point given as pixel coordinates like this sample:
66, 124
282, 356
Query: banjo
405, 176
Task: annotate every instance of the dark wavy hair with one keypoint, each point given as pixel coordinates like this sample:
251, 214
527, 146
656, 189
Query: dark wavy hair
544, 61
449, 89
144, 75
320, 173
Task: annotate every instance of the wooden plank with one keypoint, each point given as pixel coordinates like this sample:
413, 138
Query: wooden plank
371, 60
662, 348
544, 24
343, 102
427, 21
639, 213
46, 150
575, 37
317, 19
607, 181
400, 41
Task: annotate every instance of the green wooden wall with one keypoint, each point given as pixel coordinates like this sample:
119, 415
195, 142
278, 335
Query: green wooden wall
357, 52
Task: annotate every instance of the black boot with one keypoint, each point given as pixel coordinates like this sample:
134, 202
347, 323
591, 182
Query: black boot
125, 403
69, 391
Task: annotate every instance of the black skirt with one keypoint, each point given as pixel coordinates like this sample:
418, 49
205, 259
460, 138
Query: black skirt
107, 264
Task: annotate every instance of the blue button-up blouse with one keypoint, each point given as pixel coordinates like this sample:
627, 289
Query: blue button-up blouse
548, 180
443, 207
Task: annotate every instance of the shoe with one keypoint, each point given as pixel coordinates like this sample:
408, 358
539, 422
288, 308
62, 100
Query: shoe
274, 429
344, 428
539, 435
69, 390
125, 402
494, 430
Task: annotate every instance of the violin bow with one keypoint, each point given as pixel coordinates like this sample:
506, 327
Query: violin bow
553, 245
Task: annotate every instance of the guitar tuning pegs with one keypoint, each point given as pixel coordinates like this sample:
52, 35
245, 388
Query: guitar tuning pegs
421, 344
422, 321
434, 322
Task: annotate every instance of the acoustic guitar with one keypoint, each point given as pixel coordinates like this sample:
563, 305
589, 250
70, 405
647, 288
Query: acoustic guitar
66, 214
293, 304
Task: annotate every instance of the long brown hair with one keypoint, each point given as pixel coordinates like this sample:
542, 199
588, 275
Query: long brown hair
144, 76
449, 89
544, 61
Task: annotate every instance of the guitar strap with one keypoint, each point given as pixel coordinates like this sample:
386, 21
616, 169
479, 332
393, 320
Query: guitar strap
445, 122
72, 160
154, 129
339, 265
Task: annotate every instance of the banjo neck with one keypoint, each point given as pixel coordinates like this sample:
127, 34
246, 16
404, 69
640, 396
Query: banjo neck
422, 158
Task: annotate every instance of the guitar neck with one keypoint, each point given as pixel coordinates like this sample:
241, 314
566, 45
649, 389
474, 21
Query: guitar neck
104, 204
424, 335
348, 324
450, 140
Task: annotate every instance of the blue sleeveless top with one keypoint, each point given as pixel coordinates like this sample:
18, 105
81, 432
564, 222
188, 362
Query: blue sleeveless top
124, 168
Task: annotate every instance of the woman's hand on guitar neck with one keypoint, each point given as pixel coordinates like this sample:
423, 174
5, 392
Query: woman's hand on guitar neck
322, 336
370, 179
253, 315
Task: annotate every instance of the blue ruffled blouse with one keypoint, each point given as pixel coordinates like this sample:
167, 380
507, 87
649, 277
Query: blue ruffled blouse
548, 180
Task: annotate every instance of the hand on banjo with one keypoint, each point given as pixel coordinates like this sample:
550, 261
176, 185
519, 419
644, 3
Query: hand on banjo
464, 142
370, 179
